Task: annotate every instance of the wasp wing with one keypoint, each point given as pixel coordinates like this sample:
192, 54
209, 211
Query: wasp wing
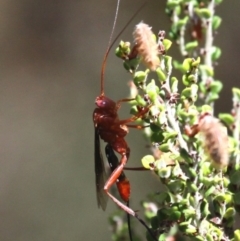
100, 173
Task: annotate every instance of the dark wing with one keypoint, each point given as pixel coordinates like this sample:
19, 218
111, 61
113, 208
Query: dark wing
100, 173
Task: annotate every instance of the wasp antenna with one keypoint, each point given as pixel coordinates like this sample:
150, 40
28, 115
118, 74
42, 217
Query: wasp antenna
114, 41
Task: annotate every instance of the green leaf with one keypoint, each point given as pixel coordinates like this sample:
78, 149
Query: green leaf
157, 137
190, 92
170, 135
209, 237
191, 46
152, 90
228, 119
216, 86
173, 3
230, 213
161, 75
210, 191
204, 207
236, 93
174, 85
216, 53
140, 100
168, 62
140, 78
165, 172
176, 186
216, 22
154, 222
224, 198
189, 213
236, 235
165, 147
203, 12
167, 44
182, 22
186, 65
207, 69
199, 238
196, 62
147, 160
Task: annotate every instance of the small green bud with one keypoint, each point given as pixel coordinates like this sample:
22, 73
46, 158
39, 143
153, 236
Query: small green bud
204, 207
207, 181
196, 62
199, 238
209, 237
186, 93
190, 92
131, 64
216, 53
191, 46
218, 1
176, 186
183, 226
224, 198
192, 172
167, 44
170, 135
191, 79
162, 119
191, 229
152, 90
140, 78
123, 50
187, 63
147, 160
174, 85
216, 22
203, 12
157, 137
165, 147
206, 108
228, 119
206, 168
164, 172
161, 75
168, 62
231, 212
236, 235
206, 69
175, 215
210, 191
216, 86
173, 3
140, 100
212, 97
182, 22
154, 111
193, 188
236, 94
189, 213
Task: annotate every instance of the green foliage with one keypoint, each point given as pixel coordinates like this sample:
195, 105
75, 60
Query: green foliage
200, 172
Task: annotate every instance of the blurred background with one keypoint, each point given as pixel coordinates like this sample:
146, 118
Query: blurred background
50, 60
